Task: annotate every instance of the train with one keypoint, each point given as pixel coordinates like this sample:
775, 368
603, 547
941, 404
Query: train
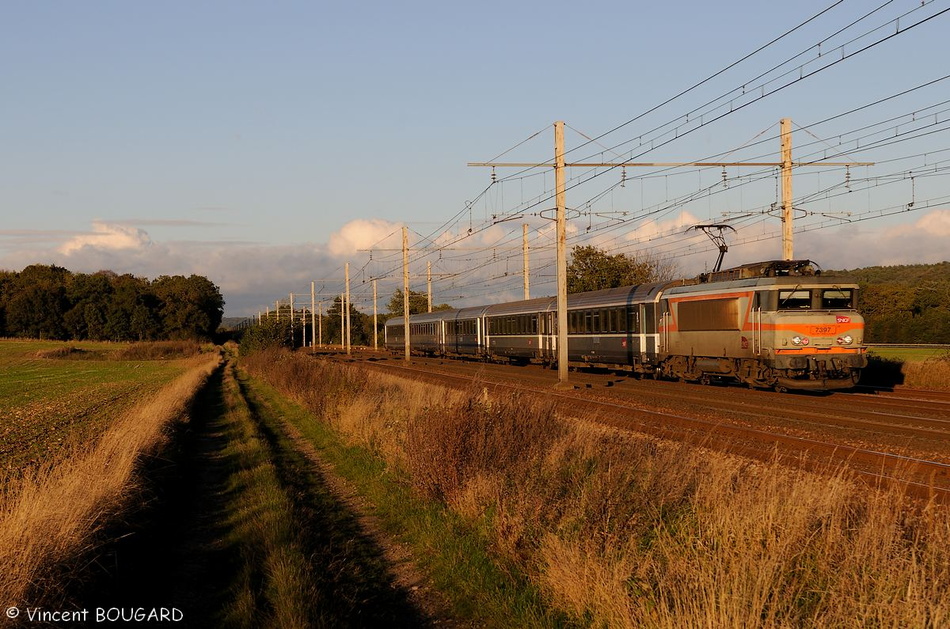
777, 324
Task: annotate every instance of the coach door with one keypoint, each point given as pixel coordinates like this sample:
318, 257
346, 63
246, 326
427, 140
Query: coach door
648, 328
665, 321
548, 335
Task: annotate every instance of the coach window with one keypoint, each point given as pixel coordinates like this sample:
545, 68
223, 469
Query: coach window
794, 299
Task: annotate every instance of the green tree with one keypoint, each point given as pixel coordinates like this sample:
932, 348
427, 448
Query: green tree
191, 307
269, 334
132, 312
38, 303
361, 332
418, 303
591, 268
89, 296
7, 284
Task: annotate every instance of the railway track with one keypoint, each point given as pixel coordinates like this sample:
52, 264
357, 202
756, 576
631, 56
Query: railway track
884, 438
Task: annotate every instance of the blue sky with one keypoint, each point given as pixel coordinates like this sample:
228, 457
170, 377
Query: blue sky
265, 144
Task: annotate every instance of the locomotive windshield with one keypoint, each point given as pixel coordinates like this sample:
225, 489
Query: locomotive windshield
794, 299
837, 298
817, 298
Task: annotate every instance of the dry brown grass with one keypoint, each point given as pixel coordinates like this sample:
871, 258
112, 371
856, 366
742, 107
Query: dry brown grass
51, 514
933, 373
625, 531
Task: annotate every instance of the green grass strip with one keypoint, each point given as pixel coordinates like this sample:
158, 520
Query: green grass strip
453, 555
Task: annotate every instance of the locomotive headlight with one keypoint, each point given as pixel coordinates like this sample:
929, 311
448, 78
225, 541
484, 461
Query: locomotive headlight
796, 340
845, 340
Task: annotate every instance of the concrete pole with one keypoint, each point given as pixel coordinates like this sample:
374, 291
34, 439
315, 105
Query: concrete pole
405, 288
429, 283
349, 330
787, 210
292, 343
524, 246
375, 323
313, 310
559, 188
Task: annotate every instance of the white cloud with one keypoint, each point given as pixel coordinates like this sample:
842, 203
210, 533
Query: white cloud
107, 236
935, 223
925, 241
365, 234
654, 229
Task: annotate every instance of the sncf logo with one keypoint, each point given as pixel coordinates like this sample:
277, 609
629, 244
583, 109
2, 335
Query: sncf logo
842, 319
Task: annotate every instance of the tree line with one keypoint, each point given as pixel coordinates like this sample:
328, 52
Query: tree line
901, 304
905, 303
276, 330
51, 302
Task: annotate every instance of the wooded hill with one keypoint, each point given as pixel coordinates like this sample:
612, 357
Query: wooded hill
50, 302
904, 304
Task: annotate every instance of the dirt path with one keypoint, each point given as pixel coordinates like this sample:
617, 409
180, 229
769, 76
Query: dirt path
182, 547
403, 566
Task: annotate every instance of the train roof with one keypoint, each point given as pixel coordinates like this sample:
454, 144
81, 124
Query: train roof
525, 306
424, 317
615, 296
767, 273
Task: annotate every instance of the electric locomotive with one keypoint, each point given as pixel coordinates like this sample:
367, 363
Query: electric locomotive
777, 324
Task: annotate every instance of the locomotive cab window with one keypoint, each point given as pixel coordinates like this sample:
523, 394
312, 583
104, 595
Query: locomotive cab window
837, 298
794, 299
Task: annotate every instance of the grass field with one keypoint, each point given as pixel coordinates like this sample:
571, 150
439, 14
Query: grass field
53, 395
908, 354
80, 430
914, 367
616, 530
516, 515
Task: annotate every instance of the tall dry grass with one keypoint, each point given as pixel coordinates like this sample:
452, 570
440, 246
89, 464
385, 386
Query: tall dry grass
933, 373
624, 531
51, 515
